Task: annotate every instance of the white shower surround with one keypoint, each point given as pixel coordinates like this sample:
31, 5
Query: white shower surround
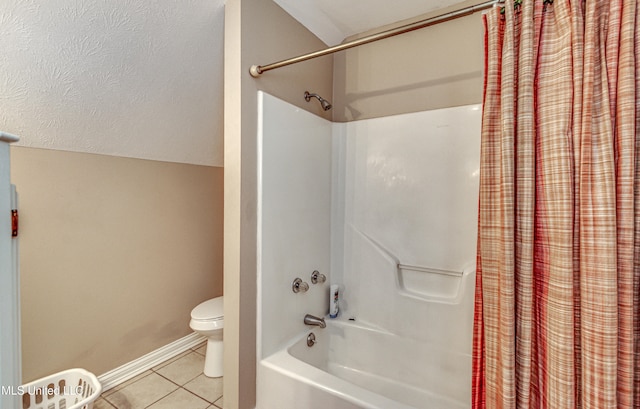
398, 190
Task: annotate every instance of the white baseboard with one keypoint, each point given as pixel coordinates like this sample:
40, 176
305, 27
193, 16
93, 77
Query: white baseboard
127, 371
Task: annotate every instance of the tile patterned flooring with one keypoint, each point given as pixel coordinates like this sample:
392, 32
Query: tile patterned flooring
176, 383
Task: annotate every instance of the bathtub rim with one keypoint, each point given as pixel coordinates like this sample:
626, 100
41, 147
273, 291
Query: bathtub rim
283, 362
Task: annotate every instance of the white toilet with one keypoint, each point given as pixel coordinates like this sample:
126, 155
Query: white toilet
208, 319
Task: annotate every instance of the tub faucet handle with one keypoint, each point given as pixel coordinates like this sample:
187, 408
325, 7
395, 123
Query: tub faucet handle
298, 285
317, 277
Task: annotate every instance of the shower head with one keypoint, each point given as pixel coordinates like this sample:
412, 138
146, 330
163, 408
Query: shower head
326, 105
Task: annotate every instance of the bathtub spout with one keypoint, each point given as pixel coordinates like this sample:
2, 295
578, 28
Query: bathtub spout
312, 320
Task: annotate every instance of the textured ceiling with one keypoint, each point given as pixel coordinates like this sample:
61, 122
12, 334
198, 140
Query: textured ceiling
334, 20
118, 77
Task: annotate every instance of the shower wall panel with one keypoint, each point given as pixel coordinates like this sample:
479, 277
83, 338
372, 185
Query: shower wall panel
410, 194
294, 218
384, 207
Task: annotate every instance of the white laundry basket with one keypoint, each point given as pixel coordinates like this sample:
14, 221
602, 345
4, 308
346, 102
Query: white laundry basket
70, 389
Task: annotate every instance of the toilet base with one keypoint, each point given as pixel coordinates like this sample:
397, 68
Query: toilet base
213, 361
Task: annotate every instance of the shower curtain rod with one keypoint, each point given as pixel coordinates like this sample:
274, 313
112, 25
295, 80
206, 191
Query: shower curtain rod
256, 70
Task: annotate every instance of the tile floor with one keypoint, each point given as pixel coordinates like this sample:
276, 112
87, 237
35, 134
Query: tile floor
176, 383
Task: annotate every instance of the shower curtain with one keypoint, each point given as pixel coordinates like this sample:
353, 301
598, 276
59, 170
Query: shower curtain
557, 319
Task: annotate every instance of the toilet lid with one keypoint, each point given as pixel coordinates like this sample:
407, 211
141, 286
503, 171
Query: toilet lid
209, 310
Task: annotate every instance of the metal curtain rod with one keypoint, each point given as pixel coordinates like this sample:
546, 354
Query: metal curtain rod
256, 70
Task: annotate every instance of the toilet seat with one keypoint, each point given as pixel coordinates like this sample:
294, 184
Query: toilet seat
207, 320
210, 311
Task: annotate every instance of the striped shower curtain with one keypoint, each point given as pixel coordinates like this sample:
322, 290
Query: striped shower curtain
557, 310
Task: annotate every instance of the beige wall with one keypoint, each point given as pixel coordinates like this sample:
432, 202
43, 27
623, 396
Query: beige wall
256, 32
114, 254
434, 67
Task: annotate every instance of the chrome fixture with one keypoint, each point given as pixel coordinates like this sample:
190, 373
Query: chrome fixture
317, 277
257, 70
326, 105
313, 320
311, 339
299, 285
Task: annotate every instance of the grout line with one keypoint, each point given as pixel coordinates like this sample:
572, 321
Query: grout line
108, 403
173, 382
164, 396
183, 356
126, 383
199, 353
153, 403
198, 396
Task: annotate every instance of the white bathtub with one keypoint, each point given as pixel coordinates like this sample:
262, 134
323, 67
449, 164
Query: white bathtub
356, 366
